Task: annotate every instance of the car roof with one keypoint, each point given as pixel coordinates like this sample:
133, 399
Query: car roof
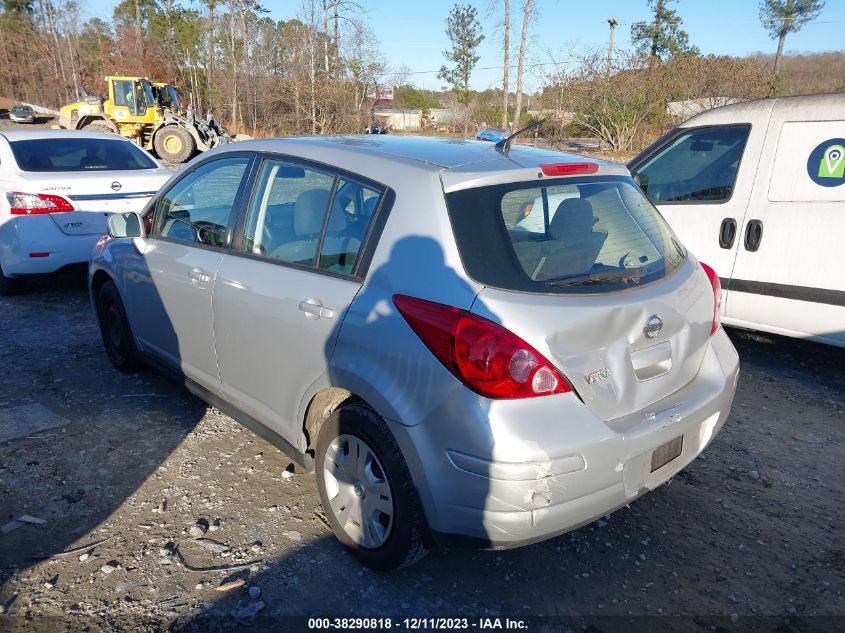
32, 135
435, 152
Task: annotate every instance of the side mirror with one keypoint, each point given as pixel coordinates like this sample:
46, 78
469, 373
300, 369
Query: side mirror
126, 225
182, 231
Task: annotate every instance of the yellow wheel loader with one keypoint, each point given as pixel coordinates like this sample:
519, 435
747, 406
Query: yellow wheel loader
149, 115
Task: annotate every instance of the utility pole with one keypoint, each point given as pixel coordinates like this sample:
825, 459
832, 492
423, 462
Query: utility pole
612, 23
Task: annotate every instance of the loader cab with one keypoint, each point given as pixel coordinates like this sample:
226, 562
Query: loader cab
132, 100
167, 97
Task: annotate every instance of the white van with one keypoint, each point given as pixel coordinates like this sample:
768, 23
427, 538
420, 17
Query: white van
757, 190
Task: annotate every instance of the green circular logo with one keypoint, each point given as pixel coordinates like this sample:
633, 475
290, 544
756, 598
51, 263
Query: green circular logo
826, 165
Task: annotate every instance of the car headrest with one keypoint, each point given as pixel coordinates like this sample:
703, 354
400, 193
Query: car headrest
573, 218
308, 211
370, 205
337, 219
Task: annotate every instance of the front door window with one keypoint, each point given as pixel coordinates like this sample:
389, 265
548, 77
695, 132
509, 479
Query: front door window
697, 166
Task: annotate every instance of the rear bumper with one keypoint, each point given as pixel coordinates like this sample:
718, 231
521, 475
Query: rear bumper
531, 479
20, 238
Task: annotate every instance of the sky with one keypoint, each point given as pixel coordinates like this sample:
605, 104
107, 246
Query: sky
411, 33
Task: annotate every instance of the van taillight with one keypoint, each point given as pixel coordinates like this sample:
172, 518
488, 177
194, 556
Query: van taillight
717, 296
36, 203
487, 358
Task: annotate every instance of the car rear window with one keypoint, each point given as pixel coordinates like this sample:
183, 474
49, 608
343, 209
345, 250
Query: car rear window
79, 154
596, 234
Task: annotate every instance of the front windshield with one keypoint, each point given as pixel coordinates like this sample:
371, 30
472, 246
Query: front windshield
149, 99
174, 98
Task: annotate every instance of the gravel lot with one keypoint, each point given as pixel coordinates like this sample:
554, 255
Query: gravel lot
749, 537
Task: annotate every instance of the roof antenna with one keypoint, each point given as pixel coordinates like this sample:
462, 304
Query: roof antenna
504, 145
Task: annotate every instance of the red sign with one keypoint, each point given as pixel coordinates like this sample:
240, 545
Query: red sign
380, 93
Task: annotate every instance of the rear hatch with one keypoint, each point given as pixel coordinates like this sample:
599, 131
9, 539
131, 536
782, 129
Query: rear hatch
601, 343
598, 284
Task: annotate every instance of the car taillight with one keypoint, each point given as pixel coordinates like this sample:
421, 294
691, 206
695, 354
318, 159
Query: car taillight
717, 296
36, 203
487, 358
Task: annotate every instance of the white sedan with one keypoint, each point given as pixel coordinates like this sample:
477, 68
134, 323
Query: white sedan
57, 189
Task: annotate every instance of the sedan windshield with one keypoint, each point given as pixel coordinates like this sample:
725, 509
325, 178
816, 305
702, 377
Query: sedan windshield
79, 154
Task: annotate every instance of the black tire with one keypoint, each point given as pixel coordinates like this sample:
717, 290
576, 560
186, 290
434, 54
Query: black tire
115, 330
403, 544
11, 285
99, 126
174, 144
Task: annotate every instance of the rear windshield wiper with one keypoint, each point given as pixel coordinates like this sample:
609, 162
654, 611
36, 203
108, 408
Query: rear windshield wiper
627, 275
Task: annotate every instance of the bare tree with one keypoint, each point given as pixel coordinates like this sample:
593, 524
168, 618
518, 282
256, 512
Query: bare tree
139, 35
526, 19
506, 63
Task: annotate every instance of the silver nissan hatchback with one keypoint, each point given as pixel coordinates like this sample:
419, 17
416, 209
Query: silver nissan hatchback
468, 343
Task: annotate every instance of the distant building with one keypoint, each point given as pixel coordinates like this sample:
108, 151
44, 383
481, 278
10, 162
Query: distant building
683, 110
443, 118
561, 116
398, 119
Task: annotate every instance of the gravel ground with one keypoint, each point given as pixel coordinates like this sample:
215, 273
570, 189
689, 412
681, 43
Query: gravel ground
749, 534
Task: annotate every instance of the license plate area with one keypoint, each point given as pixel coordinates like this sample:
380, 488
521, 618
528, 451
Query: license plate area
665, 453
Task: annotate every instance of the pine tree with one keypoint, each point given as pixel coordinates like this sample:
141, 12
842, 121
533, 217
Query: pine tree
464, 32
662, 37
781, 17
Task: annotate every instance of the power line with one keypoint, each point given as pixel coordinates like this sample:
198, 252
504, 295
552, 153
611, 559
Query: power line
571, 60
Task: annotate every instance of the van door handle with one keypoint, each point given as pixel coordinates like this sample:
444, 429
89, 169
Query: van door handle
753, 235
727, 233
315, 307
199, 276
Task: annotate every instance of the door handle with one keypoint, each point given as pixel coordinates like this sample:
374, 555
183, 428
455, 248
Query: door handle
753, 235
727, 233
199, 276
316, 308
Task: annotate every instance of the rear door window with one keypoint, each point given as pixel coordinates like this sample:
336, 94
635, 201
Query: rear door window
352, 209
285, 219
305, 216
696, 166
593, 235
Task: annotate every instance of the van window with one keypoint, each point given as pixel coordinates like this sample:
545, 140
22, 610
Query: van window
696, 166
595, 234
